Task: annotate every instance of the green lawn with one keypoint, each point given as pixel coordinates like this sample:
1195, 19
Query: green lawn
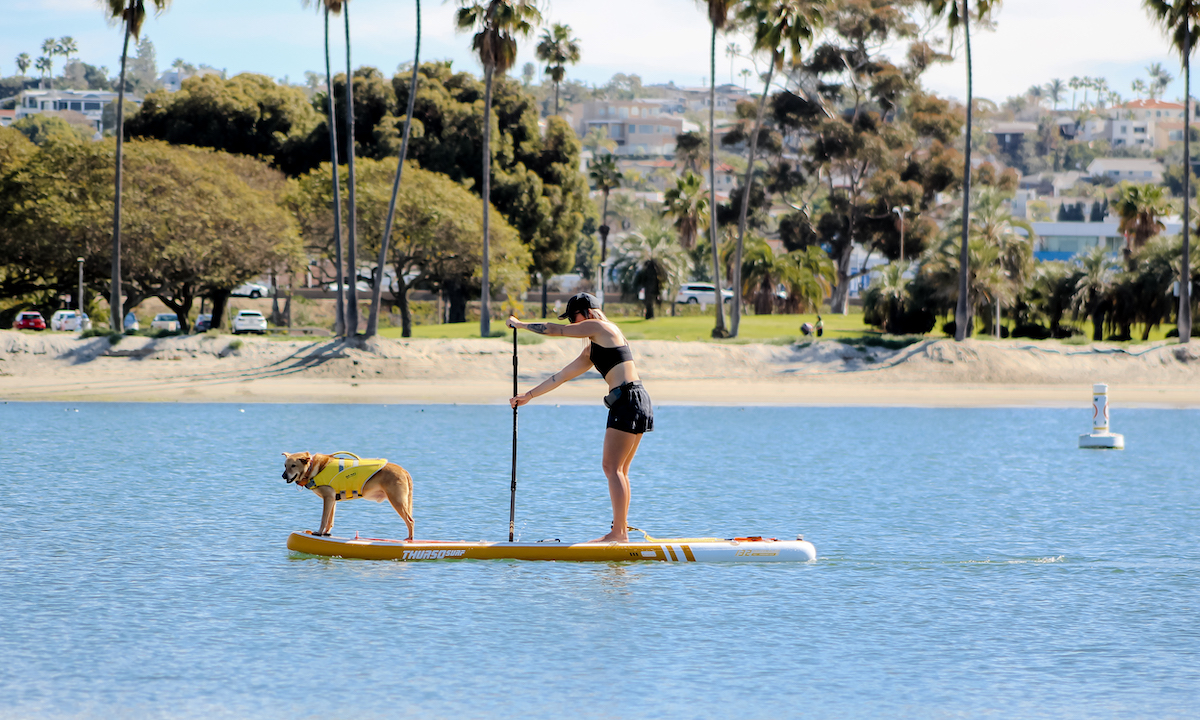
694, 327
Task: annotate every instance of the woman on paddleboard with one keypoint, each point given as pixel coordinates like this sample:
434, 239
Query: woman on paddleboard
630, 413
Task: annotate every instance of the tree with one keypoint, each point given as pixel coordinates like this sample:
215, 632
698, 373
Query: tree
1139, 208
1093, 290
50, 48
1178, 18
351, 205
557, 49
497, 25
377, 284
779, 26
686, 204
961, 16
131, 14
340, 326
718, 18
23, 63
528, 73
436, 232
605, 176
651, 260
1055, 90
66, 47
691, 148
44, 66
143, 69
732, 51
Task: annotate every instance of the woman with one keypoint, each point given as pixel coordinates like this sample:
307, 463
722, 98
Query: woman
630, 413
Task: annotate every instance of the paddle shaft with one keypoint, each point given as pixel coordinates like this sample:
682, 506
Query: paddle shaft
512, 503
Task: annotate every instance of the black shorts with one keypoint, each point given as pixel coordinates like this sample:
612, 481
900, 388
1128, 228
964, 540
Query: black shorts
632, 411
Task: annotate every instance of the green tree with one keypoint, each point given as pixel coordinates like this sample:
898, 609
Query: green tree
557, 49
437, 234
1139, 208
497, 25
688, 207
23, 63
1093, 289
605, 176
691, 148
15, 148
131, 14
1056, 89
377, 283
651, 260
1178, 19
779, 26
718, 18
41, 129
959, 14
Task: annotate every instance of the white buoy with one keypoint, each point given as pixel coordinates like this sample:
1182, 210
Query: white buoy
1100, 438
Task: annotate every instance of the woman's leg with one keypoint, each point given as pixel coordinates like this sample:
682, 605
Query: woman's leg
619, 448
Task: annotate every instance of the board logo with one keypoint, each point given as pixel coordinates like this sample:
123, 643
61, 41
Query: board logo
432, 554
747, 552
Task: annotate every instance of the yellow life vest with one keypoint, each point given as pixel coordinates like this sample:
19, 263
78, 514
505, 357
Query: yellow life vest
347, 476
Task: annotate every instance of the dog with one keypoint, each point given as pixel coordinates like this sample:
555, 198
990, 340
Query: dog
384, 481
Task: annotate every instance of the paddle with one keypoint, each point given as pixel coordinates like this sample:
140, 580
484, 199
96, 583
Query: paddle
512, 504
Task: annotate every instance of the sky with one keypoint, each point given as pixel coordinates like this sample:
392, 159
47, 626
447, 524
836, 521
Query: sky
660, 40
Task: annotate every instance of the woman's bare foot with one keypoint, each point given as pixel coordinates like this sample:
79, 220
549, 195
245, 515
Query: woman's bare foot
613, 536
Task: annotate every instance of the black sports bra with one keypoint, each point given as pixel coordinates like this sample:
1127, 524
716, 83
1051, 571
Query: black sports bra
605, 358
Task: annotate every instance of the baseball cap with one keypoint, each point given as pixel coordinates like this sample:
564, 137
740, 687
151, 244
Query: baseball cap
580, 303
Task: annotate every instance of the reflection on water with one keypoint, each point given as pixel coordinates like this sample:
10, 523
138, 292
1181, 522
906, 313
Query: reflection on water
972, 563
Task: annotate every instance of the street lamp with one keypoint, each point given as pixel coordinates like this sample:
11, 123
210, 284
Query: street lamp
900, 214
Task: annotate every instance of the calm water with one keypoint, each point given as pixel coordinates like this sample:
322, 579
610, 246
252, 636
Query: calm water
973, 563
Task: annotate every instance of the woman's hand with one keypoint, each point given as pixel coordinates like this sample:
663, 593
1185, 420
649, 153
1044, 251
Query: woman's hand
520, 400
514, 323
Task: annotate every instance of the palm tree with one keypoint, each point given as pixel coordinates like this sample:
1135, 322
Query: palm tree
377, 286
961, 15
497, 25
718, 18
1055, 89
66, 47
1036, 94
732, 50
351, 205
1074, 83
1093, 290
652, 261
779, 26
1138, 86
131, 14
745, 74
1178, 19
1139, 207
44, 65
23, 63
558, 49
50, 48
605, 177
687, 205
884, 301
597, 139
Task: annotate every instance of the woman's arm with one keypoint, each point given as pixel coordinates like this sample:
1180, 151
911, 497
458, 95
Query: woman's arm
574, 369
586, 328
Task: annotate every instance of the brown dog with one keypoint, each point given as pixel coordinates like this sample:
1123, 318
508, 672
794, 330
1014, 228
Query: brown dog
376, 480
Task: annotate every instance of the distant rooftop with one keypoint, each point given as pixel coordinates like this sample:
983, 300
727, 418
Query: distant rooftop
1151, 105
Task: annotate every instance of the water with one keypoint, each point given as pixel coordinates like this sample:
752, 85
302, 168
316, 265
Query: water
971, 563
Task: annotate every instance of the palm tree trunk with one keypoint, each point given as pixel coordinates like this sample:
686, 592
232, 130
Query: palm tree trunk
114, 300
603, 250
736, 281
556, 98
961, 312
485, 295
1185, 277
377, 291
339, 323
719, 330
545, 292
352, 213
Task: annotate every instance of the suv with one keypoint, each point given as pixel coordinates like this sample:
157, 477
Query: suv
697, 292
203, 323
165, 321
249, 321
69, 321
29, 320
250, 290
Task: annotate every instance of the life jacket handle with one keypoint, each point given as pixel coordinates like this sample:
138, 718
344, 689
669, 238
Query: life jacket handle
344, 452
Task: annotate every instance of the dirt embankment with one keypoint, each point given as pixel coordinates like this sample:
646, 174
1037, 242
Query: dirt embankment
218, 367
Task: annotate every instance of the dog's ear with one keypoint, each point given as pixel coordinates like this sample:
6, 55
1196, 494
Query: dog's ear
285, 454
306, 455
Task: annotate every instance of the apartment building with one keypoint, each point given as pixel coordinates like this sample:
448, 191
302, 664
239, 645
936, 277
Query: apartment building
1141, 170
638, 127
88, 103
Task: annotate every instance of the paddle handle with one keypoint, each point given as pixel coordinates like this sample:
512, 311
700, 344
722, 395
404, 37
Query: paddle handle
512, 503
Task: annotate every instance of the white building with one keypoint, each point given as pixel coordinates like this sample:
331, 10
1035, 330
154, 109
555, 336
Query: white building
1142, 170
89, 103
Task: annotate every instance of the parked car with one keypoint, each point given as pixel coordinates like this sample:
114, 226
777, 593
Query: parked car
203, 323
131, 322
29, 320
249, 321
165, 321
706, 293
69, 321
360, 286
251, 290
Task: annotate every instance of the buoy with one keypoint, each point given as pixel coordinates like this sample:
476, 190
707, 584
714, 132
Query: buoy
1100, 438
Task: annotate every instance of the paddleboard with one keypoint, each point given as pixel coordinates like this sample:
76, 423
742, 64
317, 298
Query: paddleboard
744, 549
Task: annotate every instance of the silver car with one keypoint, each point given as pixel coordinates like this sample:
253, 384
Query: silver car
249, 321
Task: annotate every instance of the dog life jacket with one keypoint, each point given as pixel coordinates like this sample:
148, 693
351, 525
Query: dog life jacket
346, 476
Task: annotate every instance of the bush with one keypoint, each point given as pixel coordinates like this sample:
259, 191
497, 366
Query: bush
1032, 331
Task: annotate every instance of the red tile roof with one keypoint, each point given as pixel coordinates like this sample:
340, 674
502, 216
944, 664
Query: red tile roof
1151, 105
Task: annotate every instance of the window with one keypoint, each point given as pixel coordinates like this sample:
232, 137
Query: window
1140, 130
1147, 173
76, 106
636, 112
91, 106
623, 112
1125, 129
647, 129
1158, 113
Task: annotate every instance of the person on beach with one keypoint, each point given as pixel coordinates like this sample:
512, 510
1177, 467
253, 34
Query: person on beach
630, 413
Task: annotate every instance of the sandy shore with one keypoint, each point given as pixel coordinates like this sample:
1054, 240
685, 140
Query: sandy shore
933, 373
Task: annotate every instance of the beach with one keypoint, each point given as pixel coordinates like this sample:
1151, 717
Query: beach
930, 373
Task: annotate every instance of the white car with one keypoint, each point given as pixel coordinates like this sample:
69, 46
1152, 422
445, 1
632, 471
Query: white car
360, 286
131, 322
69, 321
249, 321
165, 321
251, 290
696, 292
